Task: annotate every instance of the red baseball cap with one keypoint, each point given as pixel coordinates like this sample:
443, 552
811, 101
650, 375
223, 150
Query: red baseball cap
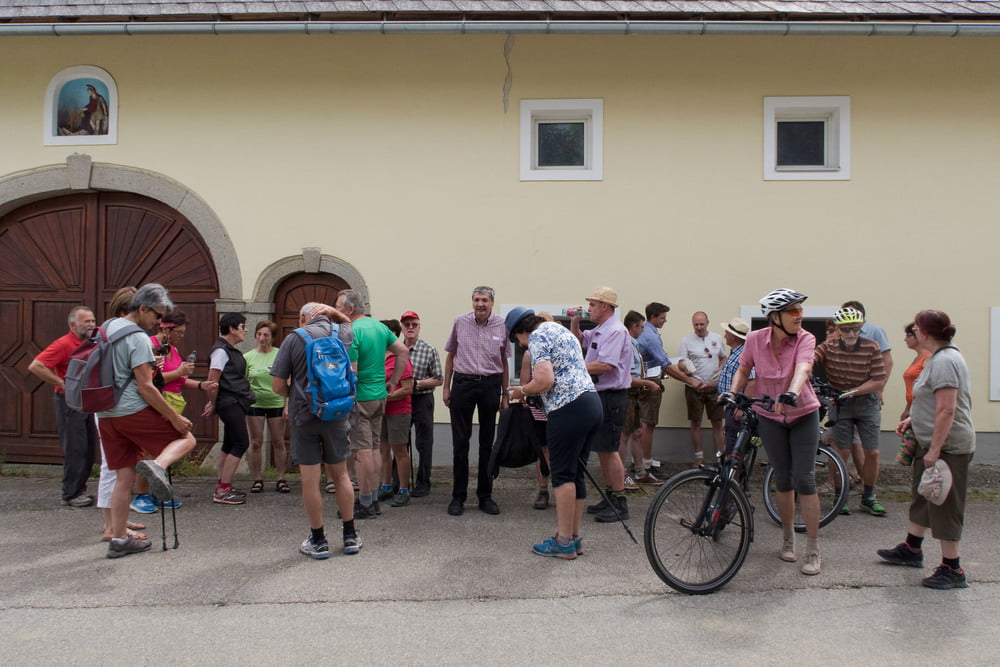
409, 315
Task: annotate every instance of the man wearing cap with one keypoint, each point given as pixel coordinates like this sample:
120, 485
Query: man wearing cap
475, 380
607, 351
707, 351
655, 357
427, 375
735, 333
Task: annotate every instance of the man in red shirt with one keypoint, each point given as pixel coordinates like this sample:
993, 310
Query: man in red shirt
77, 431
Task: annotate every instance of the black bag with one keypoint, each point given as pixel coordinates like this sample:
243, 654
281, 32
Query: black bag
517, 443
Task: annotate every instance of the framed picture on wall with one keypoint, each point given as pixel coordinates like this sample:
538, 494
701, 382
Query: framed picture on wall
81, 108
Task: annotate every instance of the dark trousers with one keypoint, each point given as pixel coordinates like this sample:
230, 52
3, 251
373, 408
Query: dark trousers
467, 396
422, 418
78, 440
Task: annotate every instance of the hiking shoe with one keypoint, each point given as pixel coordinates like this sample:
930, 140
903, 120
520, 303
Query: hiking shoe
597, 508
143, 504
384, 494
363, 512
787, 553
552, 547
131, 545
812, 564
902, 554
630, 484
80, 501
317, 550
400, 500
420, 491
944, 578
872, 506
542, 499
352, 544
228, 497
159, 485
456, 507
647, 478
608, 515
845, 510
578, 543
167, 504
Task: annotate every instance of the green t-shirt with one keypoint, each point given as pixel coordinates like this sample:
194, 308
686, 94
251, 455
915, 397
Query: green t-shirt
371, 340
259, 373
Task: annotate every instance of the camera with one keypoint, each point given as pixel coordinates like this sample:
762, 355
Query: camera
162, 350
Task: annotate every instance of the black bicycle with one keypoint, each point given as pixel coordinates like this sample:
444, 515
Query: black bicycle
699, 525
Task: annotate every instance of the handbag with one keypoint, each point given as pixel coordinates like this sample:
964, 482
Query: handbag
516, 443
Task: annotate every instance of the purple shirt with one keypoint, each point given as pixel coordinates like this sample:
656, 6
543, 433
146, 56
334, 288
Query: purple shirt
774, 374
610, 343
478, 349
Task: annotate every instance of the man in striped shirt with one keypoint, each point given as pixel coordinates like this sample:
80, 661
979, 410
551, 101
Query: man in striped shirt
855, 364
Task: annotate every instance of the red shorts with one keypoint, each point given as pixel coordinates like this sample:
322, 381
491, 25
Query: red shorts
128, 440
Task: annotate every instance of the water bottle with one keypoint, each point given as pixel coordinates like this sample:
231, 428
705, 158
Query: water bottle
192, 356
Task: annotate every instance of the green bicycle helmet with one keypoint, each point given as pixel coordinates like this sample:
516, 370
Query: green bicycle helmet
848, 316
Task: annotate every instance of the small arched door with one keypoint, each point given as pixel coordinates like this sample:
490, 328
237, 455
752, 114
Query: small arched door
299, 289
80, 249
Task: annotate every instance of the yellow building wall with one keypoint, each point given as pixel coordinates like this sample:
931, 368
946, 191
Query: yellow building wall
394, 154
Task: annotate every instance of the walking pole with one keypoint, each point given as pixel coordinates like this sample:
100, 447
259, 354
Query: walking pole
163, 522
173, 508
597, 486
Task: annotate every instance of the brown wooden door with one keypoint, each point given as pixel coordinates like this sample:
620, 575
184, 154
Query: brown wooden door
79, 249
298, 290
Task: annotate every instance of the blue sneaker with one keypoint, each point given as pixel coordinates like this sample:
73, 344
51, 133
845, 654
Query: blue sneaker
143, 504
167, 504
320, 551
552, 547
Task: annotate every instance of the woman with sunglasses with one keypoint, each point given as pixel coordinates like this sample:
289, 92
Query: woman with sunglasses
781, 356
912, 372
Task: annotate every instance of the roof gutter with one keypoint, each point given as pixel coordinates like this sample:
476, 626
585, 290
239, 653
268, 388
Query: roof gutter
597, 27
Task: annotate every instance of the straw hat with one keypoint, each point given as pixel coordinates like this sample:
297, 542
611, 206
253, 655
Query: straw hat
604, 295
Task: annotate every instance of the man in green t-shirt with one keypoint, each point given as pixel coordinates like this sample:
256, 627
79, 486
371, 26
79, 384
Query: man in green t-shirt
371, 340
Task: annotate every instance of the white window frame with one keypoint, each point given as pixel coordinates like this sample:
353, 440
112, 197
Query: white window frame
50, 133
589, 111
835, 111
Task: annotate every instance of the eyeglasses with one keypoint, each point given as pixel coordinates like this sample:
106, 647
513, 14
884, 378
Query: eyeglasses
178, 332
158, 314
909, 334
793, 311
849, 329
708, 353
411, 325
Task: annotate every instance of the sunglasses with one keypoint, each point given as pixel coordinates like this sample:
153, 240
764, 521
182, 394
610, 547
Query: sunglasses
793, 311
411, 325
849, 329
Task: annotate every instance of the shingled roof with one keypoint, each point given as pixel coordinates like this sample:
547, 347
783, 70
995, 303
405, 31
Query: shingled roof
17, 11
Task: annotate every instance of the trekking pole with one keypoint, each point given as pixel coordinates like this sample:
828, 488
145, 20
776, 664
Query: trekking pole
607, 500
173, 509
163, 521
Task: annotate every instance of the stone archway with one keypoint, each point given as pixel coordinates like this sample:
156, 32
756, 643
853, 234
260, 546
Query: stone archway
81, 174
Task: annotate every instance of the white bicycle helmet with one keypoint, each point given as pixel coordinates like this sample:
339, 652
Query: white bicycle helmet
780, 299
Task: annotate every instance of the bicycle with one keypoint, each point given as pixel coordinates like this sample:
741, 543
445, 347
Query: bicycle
832, 482
685, 530
699, 525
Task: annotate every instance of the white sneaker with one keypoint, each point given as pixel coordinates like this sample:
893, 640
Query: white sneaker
812, 564
630, 484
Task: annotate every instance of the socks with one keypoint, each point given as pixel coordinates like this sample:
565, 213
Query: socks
385, 487
318, 535
365, 499
914, 542
404, 490
869, 491
349, 528
953, 563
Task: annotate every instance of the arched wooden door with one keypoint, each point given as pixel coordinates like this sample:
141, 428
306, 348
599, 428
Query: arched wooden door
79, 249
298, 290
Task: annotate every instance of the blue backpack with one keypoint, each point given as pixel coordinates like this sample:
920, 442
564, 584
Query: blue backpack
331, 377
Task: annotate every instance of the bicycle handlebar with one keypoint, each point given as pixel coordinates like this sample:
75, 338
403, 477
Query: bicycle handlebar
744, 402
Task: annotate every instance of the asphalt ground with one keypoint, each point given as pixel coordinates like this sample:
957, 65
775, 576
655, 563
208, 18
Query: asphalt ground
428, 588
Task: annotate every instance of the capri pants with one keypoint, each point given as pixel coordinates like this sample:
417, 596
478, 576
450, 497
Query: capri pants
791, 451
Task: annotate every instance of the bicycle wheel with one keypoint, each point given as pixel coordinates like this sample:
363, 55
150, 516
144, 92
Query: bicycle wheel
831, 475
691, 552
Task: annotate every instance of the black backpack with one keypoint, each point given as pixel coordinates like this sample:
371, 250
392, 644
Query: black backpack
517, 443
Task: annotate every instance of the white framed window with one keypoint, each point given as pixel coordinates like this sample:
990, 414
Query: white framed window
562, 140
807, 138
81, 108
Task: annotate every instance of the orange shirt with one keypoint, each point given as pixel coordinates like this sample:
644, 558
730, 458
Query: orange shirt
911, 374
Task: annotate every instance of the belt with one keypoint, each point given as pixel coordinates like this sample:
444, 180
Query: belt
465, 377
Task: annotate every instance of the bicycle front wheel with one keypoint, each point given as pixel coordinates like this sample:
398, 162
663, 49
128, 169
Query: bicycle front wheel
692, 548
832, 486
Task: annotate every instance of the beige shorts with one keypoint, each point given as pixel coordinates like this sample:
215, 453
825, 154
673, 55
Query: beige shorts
366, 424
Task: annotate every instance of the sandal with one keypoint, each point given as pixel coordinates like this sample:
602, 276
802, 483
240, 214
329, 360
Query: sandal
135, 526
281, 486
131, 533
257, 486
330, 487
